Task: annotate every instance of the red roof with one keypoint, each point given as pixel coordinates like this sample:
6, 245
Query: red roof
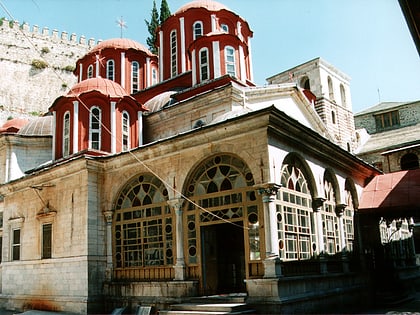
13, 125
120, 43
104, 86
399, 191
206, 4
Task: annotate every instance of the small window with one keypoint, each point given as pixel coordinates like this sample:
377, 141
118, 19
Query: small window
90, 72
198, 29
330, 89
343, 96
204, 64
387, 120
409, 161
95, 129
66, 134
110, 70
125, 131
16, 244
174, 62
333, 117
134, 77
305, 84
46, 241
224, 28
230, 61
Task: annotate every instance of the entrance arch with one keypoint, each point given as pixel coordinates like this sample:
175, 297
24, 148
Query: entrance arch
222, 224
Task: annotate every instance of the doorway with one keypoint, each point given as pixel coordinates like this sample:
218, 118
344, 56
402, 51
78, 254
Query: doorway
223, 258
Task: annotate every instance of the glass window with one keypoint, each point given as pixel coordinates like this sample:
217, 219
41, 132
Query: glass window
330, 221
134, 77
154, 76
230, 61
198, 29
125, 131
90, 72
95, 129
66, 134
204, 64
16, 244
46, 241
174, 61
110, 70
387, 120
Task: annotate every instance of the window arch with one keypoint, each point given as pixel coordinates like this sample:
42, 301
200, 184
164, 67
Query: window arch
230, 61
409, 161
197, 30
125, 132
95, 128
305, 84
66, 134
110, 70
174, 52
330, 89
143, 228
295, 218
135, 78
204, 64
90, 72
343, 96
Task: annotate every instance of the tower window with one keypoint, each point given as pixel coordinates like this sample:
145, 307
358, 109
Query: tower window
230, 61
343, 96
110, 70
90, 72
66, 134
134, 77
330, 89
333, 117
387, 120
204, 64
198, 29
125, 131
95, 129
173, 54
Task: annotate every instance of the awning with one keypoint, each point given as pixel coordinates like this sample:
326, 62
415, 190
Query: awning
396, 194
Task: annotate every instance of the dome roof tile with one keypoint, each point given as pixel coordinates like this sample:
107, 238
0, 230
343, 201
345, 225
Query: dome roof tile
13, 125
120, 43
104, 86
206, 4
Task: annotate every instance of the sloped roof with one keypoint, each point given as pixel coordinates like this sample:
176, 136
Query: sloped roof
384, 106
399, 191
13, 125
104, 86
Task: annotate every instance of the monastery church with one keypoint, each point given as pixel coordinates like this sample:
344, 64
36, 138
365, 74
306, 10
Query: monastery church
159, 178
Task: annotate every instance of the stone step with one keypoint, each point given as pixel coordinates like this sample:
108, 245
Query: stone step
210, 307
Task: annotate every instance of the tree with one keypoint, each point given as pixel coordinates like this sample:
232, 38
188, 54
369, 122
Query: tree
151, 27
164, 11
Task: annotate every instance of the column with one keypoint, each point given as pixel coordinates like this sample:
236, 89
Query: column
339, 210
317, 204
108, 218
176, 206
272, 268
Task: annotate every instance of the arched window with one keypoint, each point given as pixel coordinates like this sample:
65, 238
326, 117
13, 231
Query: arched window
409, 161
125, 131
304, 83
90, 72
110, 70
95, 128
66, 134
348, 216
197, 30
174, 51
343, 96
134, 77
330, 89
143, 229
204, 64
295, 216
330, 220
230, 61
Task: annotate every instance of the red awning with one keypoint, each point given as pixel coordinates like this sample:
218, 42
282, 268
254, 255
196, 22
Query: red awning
399, 191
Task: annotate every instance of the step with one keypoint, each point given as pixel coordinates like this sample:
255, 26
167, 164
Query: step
210, 307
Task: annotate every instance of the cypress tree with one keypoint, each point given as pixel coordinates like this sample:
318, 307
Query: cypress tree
151, 27
164, 11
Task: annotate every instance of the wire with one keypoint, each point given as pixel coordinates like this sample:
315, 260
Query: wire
119, 141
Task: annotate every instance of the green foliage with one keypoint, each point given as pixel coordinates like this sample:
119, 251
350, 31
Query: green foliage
2, 20
164, 12
11, 23
151, 27
39, 64
69, 68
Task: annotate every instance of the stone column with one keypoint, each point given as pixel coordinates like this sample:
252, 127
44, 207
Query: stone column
108, 214
272, 268
339, 210
176, 206
317, 204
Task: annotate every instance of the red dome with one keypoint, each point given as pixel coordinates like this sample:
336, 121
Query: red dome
120, 43
104, 86
210, 5
13, 125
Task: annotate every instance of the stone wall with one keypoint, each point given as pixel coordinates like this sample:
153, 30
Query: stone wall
36, 67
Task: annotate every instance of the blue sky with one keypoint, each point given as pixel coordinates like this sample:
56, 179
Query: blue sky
367, 40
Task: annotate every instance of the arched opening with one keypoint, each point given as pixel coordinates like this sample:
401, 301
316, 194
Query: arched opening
409, 161
305, 84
